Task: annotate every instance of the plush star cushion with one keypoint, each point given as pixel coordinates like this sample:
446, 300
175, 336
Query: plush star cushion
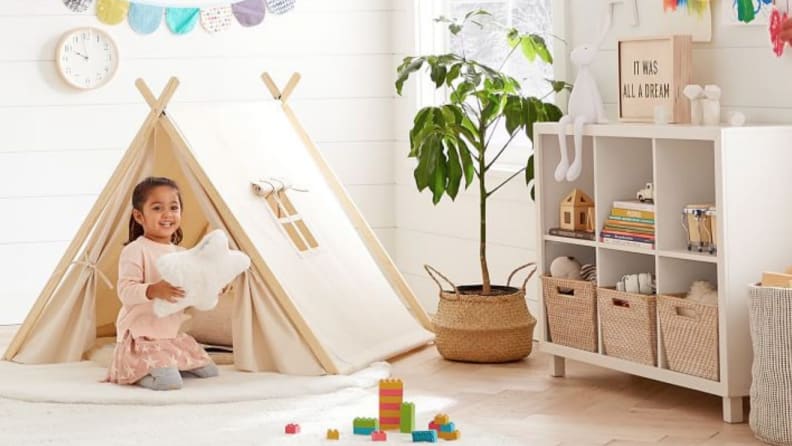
201, 272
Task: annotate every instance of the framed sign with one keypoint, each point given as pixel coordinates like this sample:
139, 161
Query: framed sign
653, 71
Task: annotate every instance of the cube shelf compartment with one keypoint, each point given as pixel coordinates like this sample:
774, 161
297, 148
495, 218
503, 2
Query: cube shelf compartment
741, 170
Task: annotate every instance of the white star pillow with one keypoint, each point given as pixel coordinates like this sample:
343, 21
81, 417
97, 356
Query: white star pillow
201, 272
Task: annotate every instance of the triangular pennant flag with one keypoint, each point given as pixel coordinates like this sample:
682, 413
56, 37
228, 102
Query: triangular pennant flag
78, 5
280, 6
182, 20
112, 12
144, 19
217, 19
249, 12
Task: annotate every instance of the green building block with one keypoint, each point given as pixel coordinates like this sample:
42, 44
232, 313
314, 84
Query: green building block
407, 424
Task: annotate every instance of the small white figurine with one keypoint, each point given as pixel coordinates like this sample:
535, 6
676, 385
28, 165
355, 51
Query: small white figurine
695, 95
710, 105
737, 119
585, 106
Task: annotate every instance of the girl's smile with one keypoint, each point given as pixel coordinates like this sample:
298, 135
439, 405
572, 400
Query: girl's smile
161, 214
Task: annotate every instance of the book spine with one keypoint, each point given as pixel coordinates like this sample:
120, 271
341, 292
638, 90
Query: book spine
613, 241
634, 206
628, 236
645, 221
632, 213
641, 227
572, 234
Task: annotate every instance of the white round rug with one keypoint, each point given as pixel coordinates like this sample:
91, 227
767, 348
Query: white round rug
81, 383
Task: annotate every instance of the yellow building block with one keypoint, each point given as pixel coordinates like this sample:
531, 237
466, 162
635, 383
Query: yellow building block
441, 419
332, 434
449, 436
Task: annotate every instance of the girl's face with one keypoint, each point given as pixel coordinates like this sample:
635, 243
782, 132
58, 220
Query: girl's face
161, 214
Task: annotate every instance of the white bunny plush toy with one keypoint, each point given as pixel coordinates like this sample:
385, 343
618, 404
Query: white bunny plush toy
585, 106
201, 272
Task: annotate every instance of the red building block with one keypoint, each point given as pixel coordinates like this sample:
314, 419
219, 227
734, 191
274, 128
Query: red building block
379, 436
292, 428
434, 426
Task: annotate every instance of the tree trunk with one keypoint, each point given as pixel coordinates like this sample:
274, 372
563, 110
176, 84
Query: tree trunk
485, 275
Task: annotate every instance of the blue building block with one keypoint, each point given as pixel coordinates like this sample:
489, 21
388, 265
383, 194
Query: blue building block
363, 430
448, 427
424, 436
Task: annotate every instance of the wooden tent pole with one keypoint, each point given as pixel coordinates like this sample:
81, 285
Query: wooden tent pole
85, 228
271, 86
384, 261
290, 86
247, 245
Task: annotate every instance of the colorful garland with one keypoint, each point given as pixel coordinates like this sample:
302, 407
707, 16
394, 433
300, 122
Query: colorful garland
145, 17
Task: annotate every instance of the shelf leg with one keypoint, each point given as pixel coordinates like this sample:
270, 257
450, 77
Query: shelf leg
733, 409
558, 367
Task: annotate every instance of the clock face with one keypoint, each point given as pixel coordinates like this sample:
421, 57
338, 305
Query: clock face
87, 58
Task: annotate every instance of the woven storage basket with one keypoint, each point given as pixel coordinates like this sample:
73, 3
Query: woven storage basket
771, 389
571, 316
690, 335
484, 329
629, 325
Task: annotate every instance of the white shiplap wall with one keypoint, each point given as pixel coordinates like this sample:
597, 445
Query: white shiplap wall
58, 146
738, 59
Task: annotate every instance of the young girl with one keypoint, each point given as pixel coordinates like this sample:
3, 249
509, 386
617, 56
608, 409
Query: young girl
150, 351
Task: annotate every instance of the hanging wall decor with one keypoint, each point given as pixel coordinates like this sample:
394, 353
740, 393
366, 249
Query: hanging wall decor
181, 16
747, 12
692, 17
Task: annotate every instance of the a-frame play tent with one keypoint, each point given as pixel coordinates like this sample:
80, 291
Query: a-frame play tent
321, 295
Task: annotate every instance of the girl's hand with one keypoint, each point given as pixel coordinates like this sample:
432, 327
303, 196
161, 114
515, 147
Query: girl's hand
165, 291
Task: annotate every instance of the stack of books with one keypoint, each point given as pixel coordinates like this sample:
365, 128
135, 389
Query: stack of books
630, 223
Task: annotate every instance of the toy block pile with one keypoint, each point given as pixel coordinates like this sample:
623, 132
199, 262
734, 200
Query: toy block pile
365, 426
444, 427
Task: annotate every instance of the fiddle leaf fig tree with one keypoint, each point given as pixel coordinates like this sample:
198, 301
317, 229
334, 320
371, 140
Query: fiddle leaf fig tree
453, 142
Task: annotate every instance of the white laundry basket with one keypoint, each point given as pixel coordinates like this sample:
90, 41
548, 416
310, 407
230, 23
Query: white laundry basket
771, 389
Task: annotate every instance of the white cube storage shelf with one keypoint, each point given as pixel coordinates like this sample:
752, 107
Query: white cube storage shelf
745, 171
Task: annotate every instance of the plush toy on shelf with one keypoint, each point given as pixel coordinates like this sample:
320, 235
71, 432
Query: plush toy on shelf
641, 283
703, 292
567, 267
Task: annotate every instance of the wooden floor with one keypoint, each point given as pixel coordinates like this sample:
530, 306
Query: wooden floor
591, 406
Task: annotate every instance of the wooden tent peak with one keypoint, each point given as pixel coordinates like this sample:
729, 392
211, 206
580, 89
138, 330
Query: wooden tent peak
277, 93
578, 198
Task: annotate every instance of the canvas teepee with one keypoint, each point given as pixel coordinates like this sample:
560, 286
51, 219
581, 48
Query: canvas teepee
321, 295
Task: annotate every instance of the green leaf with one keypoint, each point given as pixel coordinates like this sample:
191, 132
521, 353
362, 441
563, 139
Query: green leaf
530, 116
553, 112
476, 13
467, 163
513, 37
453, 73
558, 86
533, 193
514, 114
455, 28
528, 48
405, 72
540, 46
529, 170
462, 91
454, 171
438, 182
439, 75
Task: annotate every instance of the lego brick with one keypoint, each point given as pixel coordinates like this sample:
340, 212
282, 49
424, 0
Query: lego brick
363, 430
332, 434
424, 436
366, 422
391, 384
434, 426
292, 428
407, 418
379, 436
447, 427
450, 436
441, 419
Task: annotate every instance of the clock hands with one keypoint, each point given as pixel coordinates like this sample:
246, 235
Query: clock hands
81, 55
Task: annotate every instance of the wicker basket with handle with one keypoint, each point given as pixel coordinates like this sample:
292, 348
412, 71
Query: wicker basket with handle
689, 332
571, 312
629, 325
485, 329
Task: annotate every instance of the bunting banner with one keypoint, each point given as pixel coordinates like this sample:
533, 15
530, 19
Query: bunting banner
181, 16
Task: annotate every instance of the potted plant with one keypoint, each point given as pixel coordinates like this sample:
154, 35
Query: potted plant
453, 145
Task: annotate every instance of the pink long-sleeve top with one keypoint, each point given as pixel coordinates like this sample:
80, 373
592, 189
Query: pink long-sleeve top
136, 271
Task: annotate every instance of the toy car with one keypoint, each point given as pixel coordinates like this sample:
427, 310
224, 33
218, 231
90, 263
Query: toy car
646, 194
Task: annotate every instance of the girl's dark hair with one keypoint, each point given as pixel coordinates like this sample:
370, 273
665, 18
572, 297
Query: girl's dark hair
139, 197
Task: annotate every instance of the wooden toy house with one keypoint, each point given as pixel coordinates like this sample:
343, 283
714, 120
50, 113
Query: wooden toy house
577, 212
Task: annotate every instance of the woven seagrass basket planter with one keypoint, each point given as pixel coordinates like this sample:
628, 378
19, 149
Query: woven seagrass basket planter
470, 327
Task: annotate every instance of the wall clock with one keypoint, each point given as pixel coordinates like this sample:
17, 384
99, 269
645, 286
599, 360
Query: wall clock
86, 58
